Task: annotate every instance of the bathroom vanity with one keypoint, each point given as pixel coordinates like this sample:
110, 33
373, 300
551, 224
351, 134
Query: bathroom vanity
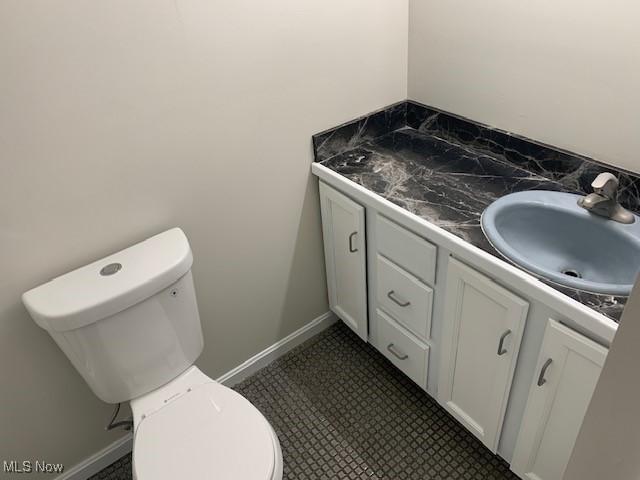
514, 358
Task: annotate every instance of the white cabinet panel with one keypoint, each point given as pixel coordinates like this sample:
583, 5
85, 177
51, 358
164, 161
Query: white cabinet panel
413, 253
343, 229
483, 327
407, 353
404, 297
568, 369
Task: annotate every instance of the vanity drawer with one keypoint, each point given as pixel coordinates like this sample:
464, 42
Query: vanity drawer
404, 297
414, 254
405, 352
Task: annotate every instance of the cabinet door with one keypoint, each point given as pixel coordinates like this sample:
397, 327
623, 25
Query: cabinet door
568, 369
482, 330
345, 257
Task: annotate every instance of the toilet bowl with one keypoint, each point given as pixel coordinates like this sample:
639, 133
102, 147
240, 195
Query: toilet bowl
130, 325
196, 428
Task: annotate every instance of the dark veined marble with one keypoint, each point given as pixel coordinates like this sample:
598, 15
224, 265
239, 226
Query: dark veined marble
447, 170
573, 171
351, 134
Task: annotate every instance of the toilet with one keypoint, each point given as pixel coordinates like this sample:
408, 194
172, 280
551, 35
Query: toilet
129, 323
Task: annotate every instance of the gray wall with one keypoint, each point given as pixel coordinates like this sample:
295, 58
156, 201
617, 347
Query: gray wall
561, 72
120, 119
609, 441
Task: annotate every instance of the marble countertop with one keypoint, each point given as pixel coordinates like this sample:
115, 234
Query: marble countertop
449, 183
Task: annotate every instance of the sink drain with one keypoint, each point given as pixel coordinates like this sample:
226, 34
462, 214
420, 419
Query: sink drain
570, 272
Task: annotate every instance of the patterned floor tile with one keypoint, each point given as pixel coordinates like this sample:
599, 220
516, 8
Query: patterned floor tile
342, 411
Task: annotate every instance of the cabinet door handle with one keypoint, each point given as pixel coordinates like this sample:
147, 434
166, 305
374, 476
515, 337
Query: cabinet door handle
352, 249
391, 295
543, 371
395, 353
501, 350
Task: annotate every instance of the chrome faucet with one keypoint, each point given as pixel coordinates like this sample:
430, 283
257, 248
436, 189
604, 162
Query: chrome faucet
604, 199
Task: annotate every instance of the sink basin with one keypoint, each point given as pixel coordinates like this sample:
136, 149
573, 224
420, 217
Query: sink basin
550, 236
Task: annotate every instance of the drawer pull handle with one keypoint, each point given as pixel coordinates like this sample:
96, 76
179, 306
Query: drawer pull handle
501, 350
395, 353
543, 371
352, 249
391, 295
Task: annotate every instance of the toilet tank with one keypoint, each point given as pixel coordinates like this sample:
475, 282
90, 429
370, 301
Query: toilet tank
129, 323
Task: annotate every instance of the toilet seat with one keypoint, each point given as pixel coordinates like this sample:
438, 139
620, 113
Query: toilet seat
210, 431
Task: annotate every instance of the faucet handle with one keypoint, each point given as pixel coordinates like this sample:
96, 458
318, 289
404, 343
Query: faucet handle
605, 184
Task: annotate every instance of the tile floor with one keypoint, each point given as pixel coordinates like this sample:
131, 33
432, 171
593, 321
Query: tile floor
342, 411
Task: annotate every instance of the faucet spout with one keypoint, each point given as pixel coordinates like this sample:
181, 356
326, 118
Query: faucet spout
603, 201
592, 200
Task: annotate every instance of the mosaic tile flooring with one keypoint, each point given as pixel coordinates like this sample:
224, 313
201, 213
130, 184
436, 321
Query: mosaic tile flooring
342, 411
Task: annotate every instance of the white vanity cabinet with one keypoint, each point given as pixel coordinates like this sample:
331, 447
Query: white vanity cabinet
569, 366
403, 267
405, 298
409, 251
483, 327
404, 350
343, 229
452, 319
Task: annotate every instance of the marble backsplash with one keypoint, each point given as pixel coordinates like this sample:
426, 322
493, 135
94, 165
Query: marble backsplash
352, 134
574, 172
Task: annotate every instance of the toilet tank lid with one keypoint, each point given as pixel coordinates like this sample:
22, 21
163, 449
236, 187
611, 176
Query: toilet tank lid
112, 284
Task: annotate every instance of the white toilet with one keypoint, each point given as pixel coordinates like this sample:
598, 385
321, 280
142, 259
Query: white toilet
129, 323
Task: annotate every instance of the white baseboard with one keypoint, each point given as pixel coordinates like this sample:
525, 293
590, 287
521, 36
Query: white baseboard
98, 461
277, 350
105, 457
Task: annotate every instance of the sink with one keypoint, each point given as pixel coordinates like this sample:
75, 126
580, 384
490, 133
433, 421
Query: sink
550, 236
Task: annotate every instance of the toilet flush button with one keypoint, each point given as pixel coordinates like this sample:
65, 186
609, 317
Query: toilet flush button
110, 269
